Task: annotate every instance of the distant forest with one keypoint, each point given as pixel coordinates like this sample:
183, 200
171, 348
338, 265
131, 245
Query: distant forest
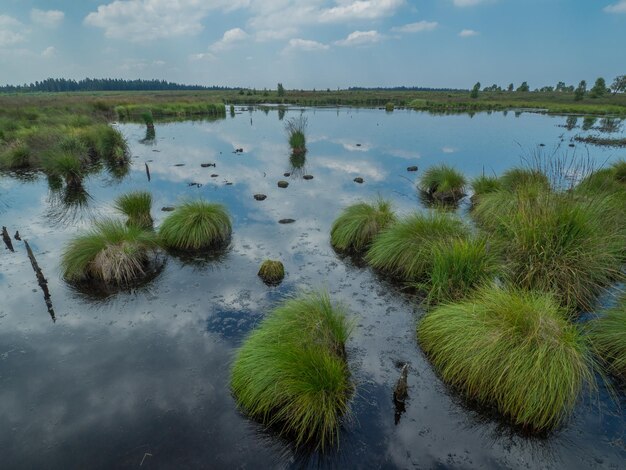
54, 85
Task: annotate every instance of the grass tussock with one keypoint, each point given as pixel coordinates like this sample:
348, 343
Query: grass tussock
67, 166
136, 206
511, 349
112, 253
513, 179
405, 249
443, 182
291, 372
459, 266
358, 225
272, 272
485, 184
296, 132
196, 225
608, 336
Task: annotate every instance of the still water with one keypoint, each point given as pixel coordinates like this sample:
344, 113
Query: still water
141, 378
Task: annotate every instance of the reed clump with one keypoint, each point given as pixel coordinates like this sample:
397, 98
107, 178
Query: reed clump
291, 373
358, 225
196, 225
511, 349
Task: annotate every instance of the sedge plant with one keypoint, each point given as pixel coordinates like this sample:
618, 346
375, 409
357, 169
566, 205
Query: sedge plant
136, 206
359, 224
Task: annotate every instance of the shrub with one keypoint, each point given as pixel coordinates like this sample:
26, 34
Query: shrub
358, 224
510, 349
196, 225
111, 253
291, 372
443, 182
136, 206
272, 272
459, 267
405, 249
608, 336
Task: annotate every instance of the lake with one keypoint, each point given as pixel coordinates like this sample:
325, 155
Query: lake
140, 378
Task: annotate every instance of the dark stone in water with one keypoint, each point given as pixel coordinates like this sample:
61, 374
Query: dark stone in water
412, 168
572, 145
283, 184
287, 174
17, 236
286, 221
228, 183
180, 164
542, 145
358, 145
358, 179
167, 209
214, 175
308, 177
260, 197
197, 185
207, 165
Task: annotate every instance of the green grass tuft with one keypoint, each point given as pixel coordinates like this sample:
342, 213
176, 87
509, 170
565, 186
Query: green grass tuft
15, 156
66, 165
513, 350
196, 225
608, 336
405, 249
296, 129
136, 206
359, 224
291, 372
515, 178
272, 272
443, 182
459, 267
619, 169
485, 185
111, 253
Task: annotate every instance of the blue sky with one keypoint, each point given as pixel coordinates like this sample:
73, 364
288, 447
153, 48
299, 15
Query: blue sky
315, 43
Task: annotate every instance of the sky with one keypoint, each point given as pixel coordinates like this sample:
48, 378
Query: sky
315, 43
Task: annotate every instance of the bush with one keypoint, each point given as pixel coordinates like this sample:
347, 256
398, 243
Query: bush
405, 249
272, 272
459, 267
608, 336
359, 224
196, 225
513, 350
443, 182
136, 206
291, 372
111, 253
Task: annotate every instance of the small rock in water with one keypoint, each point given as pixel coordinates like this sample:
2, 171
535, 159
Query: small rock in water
412, 168
207, 165
358, 145
17, 236
155, 150
542, 145
167, 209
198, 185
228, 183
572, 145
286, 221
214, 175
358, 179
260, 197
180, 164
308, 177
287, 174
283, 184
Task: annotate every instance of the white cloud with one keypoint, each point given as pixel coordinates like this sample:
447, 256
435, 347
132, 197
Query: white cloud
468, 33
49, 19
10, 31
619, 7
358, 38
306, 45
275, 34
362, 9
418, 27
468, 3
145, 20
230, 37
49, 52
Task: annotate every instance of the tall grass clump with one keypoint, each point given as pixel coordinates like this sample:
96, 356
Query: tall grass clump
136, 206
272, 272
608, 336
359, 224
515, 178
405, 249
511, 349
459, 266
485, 184
443, 182
619, 169
196, 225
15, 156
296, 129
291, 373
112, 253
68, 166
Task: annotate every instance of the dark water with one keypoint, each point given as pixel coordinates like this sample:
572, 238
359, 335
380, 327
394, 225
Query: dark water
141, 378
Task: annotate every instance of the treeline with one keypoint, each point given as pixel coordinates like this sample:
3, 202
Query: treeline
55, 85
400, 88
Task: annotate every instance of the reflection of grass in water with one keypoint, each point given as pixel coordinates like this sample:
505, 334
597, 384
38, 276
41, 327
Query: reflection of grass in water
298, 162
608, 336
359, 224
112, 253
67, 205
196, 225
513, 350
150, 137
291, 372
